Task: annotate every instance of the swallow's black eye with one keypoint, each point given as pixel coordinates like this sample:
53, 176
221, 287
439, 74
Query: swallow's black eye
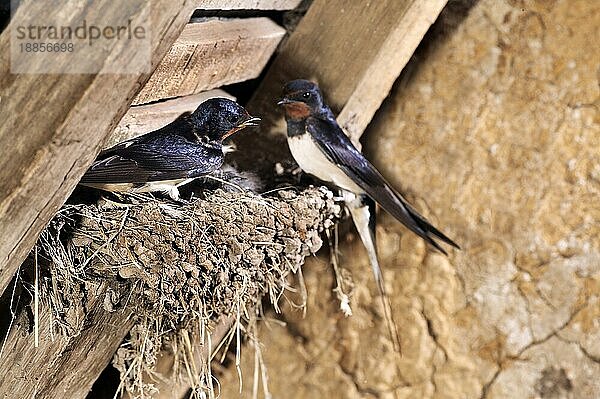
306, 94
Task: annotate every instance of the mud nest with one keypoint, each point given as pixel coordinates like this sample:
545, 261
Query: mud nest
182, 266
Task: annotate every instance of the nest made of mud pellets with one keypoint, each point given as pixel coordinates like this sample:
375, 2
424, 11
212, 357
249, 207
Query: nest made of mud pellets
183, 266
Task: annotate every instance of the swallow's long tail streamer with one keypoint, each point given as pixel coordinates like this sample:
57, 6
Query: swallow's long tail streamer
362, 210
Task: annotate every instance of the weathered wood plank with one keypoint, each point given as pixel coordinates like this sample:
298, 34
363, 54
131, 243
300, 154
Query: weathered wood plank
53, 125
142, 119
393, 55
211, 54
355, 50
61, 365
247, 4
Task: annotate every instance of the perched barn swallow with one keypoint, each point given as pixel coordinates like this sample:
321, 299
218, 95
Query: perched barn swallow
322, 149
162, 160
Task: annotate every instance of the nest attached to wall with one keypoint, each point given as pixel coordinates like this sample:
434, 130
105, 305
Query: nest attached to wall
183, 266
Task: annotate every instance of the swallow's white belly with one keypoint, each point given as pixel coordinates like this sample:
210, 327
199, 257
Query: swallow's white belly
152, 186
312, 160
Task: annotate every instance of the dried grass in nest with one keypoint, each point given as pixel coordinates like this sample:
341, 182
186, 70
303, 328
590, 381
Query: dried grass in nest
182, 266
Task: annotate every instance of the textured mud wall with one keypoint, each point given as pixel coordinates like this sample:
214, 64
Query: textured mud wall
495, 135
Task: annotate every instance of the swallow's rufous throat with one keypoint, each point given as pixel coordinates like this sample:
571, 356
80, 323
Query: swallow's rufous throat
321, 148
162, 160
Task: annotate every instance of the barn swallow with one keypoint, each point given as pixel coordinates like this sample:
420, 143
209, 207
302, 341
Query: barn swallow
322, 149
162, 160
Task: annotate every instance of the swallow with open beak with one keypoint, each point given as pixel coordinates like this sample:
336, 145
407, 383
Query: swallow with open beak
189, 147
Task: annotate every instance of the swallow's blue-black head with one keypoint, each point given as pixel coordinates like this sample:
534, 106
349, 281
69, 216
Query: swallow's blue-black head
219, 118
301, 98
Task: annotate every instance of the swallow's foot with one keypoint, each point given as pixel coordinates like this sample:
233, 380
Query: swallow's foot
297, 171
346, 196
173, 193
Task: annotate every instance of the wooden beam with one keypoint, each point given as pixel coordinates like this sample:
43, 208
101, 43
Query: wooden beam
142, 119
355, 50
247, 4
393, 54
211, 54
61, 366
53, 125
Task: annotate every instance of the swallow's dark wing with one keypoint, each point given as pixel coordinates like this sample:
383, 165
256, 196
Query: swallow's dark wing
156, 156
339, 149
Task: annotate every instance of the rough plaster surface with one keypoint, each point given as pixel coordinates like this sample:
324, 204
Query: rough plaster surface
495, 135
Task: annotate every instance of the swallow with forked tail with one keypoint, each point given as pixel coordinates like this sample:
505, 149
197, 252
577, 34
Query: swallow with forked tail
189, 147
322, 149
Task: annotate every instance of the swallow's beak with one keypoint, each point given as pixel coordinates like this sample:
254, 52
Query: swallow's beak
248, 122
251, 121
284, 101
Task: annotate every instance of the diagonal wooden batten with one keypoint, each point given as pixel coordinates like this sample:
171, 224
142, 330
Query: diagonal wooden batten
380, 75
355, 50
213, 53
61, 365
